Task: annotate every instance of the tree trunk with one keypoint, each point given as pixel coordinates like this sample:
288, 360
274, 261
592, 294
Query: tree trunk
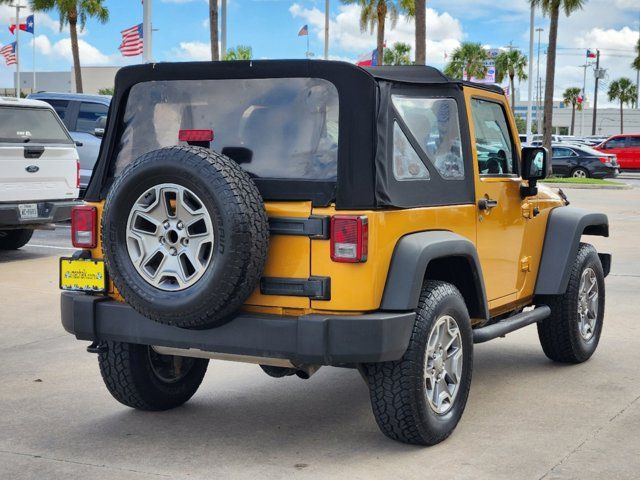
73, 30
513, 95
621, 117
213, 29
421, 32
382, 13
573, 117
550, 77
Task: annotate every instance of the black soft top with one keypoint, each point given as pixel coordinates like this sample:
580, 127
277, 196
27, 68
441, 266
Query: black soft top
363, 163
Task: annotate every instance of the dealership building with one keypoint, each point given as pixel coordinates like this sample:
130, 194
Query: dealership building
93, 80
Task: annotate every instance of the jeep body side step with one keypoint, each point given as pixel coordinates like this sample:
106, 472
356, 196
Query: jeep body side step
508, 325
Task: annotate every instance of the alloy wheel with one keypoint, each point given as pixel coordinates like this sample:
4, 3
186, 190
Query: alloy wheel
443, 364
588, 303
170, 237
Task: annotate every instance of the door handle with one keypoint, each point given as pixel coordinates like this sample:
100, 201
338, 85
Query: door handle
487, 204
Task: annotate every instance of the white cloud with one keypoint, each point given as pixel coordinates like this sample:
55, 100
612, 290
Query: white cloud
444, 31
192, 51
61, 49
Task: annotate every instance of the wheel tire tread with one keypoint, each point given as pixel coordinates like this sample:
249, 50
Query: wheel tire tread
392, 384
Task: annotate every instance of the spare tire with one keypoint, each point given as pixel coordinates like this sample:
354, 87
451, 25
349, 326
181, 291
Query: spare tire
185, 236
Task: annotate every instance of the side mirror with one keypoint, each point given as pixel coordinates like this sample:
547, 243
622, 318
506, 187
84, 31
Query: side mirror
535, 166
100, 125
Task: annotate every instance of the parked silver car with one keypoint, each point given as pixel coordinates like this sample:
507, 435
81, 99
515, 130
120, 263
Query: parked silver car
84, 116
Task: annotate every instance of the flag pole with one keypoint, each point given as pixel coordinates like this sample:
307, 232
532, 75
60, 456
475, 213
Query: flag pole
326, 30
18, 7
147, 32
34, 53
223, 28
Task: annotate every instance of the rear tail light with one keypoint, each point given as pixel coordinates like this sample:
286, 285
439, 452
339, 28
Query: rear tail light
77, 173
604, 159
83, 227
349, 238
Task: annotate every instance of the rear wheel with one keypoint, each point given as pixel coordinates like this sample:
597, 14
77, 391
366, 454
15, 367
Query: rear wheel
572, 332
580, 172
139, 377
14, 239
420, 398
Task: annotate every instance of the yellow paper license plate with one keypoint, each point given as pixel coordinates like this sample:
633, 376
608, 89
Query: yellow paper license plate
82, 275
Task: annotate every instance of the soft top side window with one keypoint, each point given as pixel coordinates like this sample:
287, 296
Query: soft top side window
434, 124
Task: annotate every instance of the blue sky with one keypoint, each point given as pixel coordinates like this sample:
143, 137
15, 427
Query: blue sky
270, 27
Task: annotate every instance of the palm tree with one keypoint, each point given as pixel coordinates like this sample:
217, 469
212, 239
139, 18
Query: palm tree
373, 15
73, 13
398, 54
512, 63
468, 60
570, 97
552, 8
213, 29
241, 52
625, 92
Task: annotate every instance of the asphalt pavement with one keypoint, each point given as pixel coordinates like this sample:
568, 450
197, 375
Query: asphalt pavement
527, 418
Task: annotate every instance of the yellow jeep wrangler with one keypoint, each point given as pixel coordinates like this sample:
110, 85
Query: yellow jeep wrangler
297, 214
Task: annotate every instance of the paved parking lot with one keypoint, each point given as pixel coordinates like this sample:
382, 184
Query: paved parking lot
526, 417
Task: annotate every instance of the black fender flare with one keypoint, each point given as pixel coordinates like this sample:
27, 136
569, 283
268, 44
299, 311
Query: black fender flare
409, 263
565, 227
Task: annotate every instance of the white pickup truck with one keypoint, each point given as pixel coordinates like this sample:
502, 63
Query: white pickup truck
39, 170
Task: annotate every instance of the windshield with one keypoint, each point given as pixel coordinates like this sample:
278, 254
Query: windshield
31, 125
275, 127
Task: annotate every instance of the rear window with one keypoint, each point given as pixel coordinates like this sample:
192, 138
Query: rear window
31, 125
286, 127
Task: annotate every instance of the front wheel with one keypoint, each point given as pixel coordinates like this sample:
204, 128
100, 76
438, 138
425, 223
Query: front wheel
420, 398
139, 377
572, 332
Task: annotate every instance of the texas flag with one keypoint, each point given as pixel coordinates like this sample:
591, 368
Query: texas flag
591, 54
28, 26
369, 59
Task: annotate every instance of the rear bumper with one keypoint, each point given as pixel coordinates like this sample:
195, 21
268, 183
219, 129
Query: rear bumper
308, 339
48, 212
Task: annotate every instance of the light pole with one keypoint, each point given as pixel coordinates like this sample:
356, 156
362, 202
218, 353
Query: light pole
595, 92
584, 89
538, 85
530, 86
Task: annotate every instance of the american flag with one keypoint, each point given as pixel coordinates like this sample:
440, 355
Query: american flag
304, 31
132, 41
9, 53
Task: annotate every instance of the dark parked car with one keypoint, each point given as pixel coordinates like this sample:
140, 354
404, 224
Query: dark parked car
84, 116
582, 162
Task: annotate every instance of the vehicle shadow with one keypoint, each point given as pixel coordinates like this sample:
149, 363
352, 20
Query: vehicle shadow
253, 416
